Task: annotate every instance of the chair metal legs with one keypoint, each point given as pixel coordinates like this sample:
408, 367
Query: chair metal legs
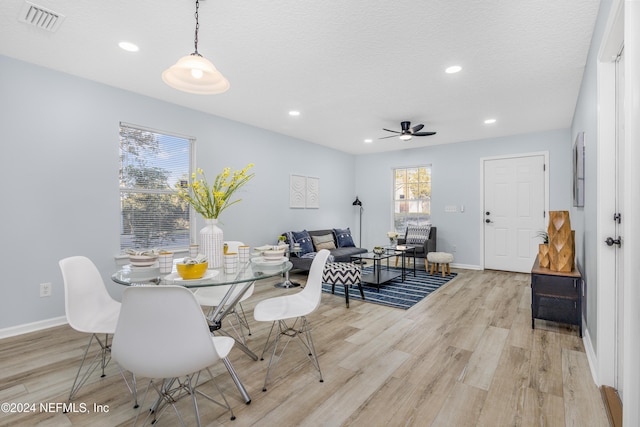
173, 389
101, 359
303, 333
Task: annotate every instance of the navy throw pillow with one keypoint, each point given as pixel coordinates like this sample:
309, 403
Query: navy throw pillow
302, 237
343, 237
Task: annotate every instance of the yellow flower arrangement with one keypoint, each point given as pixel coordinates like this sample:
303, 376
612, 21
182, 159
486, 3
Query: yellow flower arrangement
210, 201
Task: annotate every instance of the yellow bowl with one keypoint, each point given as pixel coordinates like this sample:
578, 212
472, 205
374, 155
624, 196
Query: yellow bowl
192, 271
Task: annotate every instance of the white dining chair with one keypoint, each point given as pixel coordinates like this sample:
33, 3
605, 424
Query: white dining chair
212, 297
296, 308
162, 334
90, 309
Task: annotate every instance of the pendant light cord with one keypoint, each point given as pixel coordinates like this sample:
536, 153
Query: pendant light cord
197, 28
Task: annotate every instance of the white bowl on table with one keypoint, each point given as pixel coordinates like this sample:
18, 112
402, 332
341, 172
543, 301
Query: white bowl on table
273, 254
142, 260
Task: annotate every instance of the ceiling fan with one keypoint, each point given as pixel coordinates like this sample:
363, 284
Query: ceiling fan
408, 132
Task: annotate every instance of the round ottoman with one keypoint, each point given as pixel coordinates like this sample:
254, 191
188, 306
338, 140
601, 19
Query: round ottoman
437, 259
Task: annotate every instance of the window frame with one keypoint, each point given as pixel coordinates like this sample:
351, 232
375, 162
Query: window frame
394, 200
191, 233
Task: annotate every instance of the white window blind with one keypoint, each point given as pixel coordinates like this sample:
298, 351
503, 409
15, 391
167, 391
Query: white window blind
151, 164
411, 197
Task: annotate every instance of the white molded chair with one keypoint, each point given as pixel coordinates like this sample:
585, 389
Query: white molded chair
294, 307
163, 334
212, 297
89, 308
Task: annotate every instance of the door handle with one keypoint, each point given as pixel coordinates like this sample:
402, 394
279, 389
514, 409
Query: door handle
610, 241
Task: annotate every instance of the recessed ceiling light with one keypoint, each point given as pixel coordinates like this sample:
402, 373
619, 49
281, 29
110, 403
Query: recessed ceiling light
489, 121
368, 141
453, 69
294, 113
129, 47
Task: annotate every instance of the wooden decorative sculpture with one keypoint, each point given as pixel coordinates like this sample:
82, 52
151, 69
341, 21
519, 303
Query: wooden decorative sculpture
543, 255
560, 241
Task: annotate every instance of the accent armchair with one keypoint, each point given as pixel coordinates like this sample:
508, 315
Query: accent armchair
415, 236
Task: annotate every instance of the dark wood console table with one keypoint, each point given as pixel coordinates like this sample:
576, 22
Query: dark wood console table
556, 296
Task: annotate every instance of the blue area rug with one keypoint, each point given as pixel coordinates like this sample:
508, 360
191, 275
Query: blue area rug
395, 293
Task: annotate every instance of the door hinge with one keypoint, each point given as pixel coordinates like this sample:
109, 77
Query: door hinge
544, 166
544, 214
617, 217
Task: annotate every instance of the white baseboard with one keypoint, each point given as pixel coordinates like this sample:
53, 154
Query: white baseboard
466, 266
591, 354
460, 266
32, 327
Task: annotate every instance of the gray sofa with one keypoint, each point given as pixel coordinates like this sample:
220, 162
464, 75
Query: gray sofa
339, 254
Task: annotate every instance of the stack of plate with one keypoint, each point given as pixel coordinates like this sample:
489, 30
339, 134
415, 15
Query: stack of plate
273, 255
143, 274
262, 262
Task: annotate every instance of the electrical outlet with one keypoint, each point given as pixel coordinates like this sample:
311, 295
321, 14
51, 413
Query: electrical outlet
454, 248
45, 289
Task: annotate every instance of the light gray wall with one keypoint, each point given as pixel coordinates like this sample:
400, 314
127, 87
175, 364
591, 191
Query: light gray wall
59, 170
584, 220
60, 162
456, 181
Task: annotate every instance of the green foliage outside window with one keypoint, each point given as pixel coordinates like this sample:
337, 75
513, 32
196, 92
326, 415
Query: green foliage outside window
412, 197
152, 214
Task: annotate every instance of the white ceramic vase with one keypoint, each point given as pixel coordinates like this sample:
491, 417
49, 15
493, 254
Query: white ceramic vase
212, 243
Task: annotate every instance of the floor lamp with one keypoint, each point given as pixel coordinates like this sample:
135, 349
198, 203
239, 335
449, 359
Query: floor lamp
358, 203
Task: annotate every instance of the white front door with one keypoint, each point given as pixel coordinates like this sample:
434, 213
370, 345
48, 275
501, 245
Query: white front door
514, 211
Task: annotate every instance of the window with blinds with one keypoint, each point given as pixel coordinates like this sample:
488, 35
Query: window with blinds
152, 163
411, 197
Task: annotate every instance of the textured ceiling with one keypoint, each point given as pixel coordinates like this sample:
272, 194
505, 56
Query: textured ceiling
350, 67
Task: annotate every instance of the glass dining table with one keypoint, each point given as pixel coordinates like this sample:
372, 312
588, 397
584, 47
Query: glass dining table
238, 282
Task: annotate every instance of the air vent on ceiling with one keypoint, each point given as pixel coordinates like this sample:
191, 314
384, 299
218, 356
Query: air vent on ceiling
40, 17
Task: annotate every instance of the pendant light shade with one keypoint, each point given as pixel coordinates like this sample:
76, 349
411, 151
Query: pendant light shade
195, 74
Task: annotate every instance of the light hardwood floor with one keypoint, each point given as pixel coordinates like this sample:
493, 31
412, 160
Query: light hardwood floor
464, 356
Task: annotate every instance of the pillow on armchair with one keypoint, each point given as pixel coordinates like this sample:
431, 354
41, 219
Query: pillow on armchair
417, 235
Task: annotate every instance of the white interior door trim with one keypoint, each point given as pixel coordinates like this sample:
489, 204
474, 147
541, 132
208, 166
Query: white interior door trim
623, 26
631, 397
509, 156
606, 163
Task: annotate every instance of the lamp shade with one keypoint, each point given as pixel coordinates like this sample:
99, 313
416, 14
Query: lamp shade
195, 74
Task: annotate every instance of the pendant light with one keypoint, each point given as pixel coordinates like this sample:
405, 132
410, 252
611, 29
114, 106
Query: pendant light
194, 73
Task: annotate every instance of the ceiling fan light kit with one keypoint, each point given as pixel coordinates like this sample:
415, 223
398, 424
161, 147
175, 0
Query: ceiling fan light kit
407, 131
194, 73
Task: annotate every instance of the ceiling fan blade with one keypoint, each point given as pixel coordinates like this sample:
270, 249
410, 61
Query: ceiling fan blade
424, 133
389, 130
392, 136
415, 129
